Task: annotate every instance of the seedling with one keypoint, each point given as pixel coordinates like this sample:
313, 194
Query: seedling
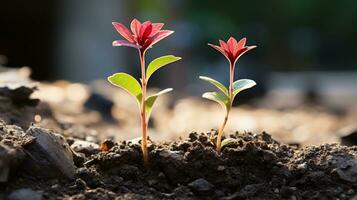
232, 50
143, 36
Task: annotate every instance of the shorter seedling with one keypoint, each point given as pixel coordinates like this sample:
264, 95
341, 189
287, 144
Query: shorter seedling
232, 50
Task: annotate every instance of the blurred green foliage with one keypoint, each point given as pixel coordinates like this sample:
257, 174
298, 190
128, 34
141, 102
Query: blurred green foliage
291, 34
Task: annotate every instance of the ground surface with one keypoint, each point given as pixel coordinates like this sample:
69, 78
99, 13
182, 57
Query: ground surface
251, 166
59, 149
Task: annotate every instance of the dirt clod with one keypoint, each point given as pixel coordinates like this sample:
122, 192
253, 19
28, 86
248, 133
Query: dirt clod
201, 187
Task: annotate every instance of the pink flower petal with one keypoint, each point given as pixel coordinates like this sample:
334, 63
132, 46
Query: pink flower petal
221, 50
145, 30
125, 43
156, 27
243, 51
232, 43
241, 43
161, 35
123, 31
223, 45
135, 26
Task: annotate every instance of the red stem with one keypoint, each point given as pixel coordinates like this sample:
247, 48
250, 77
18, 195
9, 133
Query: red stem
143, 116
231, 89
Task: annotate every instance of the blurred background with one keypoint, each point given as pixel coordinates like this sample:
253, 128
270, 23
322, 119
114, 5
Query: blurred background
305, 61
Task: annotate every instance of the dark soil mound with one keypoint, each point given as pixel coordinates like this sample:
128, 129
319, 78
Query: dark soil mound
251, 167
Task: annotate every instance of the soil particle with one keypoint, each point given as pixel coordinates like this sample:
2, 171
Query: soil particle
201, 187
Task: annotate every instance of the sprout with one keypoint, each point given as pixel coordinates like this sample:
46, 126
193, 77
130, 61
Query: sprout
143, 36
232, 50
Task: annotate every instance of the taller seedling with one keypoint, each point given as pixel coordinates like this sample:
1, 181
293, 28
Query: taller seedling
143, 36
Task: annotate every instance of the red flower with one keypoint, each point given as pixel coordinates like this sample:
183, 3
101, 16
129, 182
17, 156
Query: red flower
232, 50
143, 35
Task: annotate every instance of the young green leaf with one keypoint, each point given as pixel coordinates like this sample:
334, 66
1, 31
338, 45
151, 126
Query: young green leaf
241, 85
149, 103
218, 97
128, 83
159, 63
215, 83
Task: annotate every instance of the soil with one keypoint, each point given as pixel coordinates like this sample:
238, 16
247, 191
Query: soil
71, 161
253, 166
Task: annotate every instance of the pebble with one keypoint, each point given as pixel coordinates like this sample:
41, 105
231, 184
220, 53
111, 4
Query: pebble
171, 154
49, 155
55, 186
24, 194
221, 168
201, 186
82, 170
85, 147
302, 166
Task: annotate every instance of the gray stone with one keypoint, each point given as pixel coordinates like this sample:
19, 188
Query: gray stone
24, 194
48, 155
85, 147
171, 155
348, 171
201, 187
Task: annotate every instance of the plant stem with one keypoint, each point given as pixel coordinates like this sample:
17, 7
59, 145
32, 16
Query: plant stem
231, 89
144, 126
220, 132
231, 79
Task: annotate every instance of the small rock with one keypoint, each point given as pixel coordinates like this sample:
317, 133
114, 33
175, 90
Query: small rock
49, 155
106, 145
302, 166
161, 175
171, 154
221, 168
81, 184
24, 194
85, 147
82, 171
55, 186
193, 136
348, 171
201, 186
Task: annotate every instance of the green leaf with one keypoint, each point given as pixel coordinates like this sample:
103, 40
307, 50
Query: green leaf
228, 141
215, 83
149, 103
218, 97
241, 85
159, 63
128, 83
